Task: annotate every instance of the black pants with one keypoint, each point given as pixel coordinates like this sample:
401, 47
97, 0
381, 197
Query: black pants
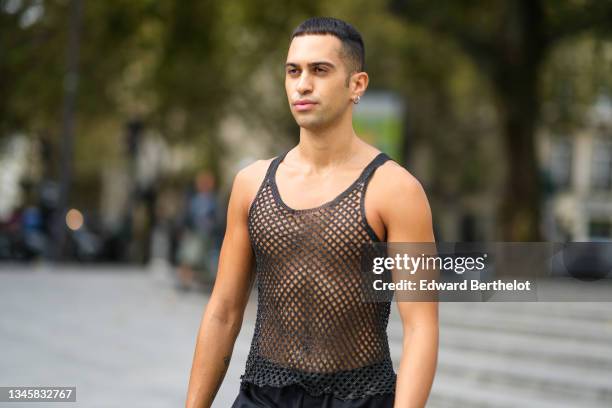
294, 396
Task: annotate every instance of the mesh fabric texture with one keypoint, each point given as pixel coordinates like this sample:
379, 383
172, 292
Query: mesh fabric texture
313, 327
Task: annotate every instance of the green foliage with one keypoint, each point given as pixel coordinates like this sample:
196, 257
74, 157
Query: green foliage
186, 65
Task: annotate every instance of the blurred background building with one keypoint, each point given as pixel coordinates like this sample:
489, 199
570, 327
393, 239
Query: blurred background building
110, 111
579, 168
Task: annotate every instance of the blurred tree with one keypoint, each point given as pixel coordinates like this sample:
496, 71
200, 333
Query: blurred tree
577, 75
185, 66
258, 36
508, 41
33, 43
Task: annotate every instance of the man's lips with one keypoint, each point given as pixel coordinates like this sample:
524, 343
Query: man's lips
303, 105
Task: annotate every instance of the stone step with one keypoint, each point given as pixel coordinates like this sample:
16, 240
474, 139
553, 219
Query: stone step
523, 374
558, 350
452, 391
583, 311
528, 323
597, 312
562, 351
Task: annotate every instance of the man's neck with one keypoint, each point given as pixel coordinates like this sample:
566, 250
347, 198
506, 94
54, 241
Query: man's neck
329, 147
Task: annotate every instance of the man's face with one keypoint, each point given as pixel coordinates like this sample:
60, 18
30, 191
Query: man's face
316, 81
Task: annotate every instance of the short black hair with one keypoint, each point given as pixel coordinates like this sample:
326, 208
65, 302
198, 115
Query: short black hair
353, 49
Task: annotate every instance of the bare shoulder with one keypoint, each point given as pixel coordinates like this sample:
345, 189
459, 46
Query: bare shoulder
253, 173
393, 181
401, 201
248, 179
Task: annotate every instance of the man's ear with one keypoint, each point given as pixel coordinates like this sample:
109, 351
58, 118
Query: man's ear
358, 83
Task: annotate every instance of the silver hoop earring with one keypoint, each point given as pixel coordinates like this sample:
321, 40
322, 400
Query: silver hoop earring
356, 100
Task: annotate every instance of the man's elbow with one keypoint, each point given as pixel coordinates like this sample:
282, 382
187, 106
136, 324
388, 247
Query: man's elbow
225, 313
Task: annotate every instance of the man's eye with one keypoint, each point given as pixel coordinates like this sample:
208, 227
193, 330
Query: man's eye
319, 69
292, 71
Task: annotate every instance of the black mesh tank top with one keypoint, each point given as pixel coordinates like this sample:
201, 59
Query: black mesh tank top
313, 327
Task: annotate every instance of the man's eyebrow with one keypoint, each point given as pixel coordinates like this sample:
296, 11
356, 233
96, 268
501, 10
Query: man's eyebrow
312, 64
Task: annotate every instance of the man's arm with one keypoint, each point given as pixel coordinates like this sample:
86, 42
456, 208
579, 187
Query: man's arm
407, 217
222, 318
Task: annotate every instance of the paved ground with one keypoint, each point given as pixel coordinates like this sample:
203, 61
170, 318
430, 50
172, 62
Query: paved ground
124, 337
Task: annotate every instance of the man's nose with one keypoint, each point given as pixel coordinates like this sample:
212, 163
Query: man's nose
304, 84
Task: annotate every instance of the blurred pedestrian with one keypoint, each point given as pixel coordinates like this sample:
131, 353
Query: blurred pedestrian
197, 249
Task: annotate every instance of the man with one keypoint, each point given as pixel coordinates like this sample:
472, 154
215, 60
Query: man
301, 219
